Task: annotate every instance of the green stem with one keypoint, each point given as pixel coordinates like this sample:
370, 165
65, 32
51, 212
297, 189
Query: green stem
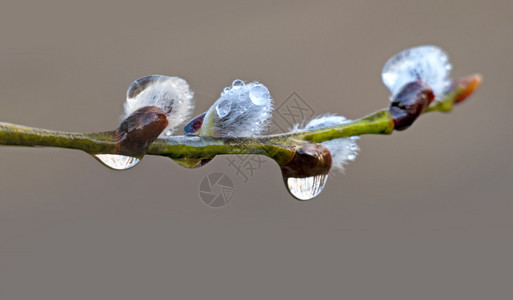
280, 147
446, 104
96, 142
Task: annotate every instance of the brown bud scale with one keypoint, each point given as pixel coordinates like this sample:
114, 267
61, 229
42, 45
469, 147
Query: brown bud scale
194, 126
411, 101
140, 129
309, 160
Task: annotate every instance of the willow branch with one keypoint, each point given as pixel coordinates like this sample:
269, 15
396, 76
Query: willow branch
279, 147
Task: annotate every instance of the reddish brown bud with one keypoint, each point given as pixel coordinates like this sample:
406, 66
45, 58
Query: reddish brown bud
309, 160
140, 129
466, 85
194, 126
410, 103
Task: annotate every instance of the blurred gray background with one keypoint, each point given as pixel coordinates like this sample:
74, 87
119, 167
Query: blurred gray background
421, 214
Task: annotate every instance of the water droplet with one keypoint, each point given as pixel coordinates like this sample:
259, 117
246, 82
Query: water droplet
223, 109
237, 83
227, 89
306, 188
117, 162
351, 157
259, 95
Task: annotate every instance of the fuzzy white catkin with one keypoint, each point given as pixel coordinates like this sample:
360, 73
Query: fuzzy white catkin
242, 110
171, 94
342, 150
427, 63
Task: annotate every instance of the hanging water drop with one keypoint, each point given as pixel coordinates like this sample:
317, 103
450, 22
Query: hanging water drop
259, 95
117, 162
306, 188
305, 175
